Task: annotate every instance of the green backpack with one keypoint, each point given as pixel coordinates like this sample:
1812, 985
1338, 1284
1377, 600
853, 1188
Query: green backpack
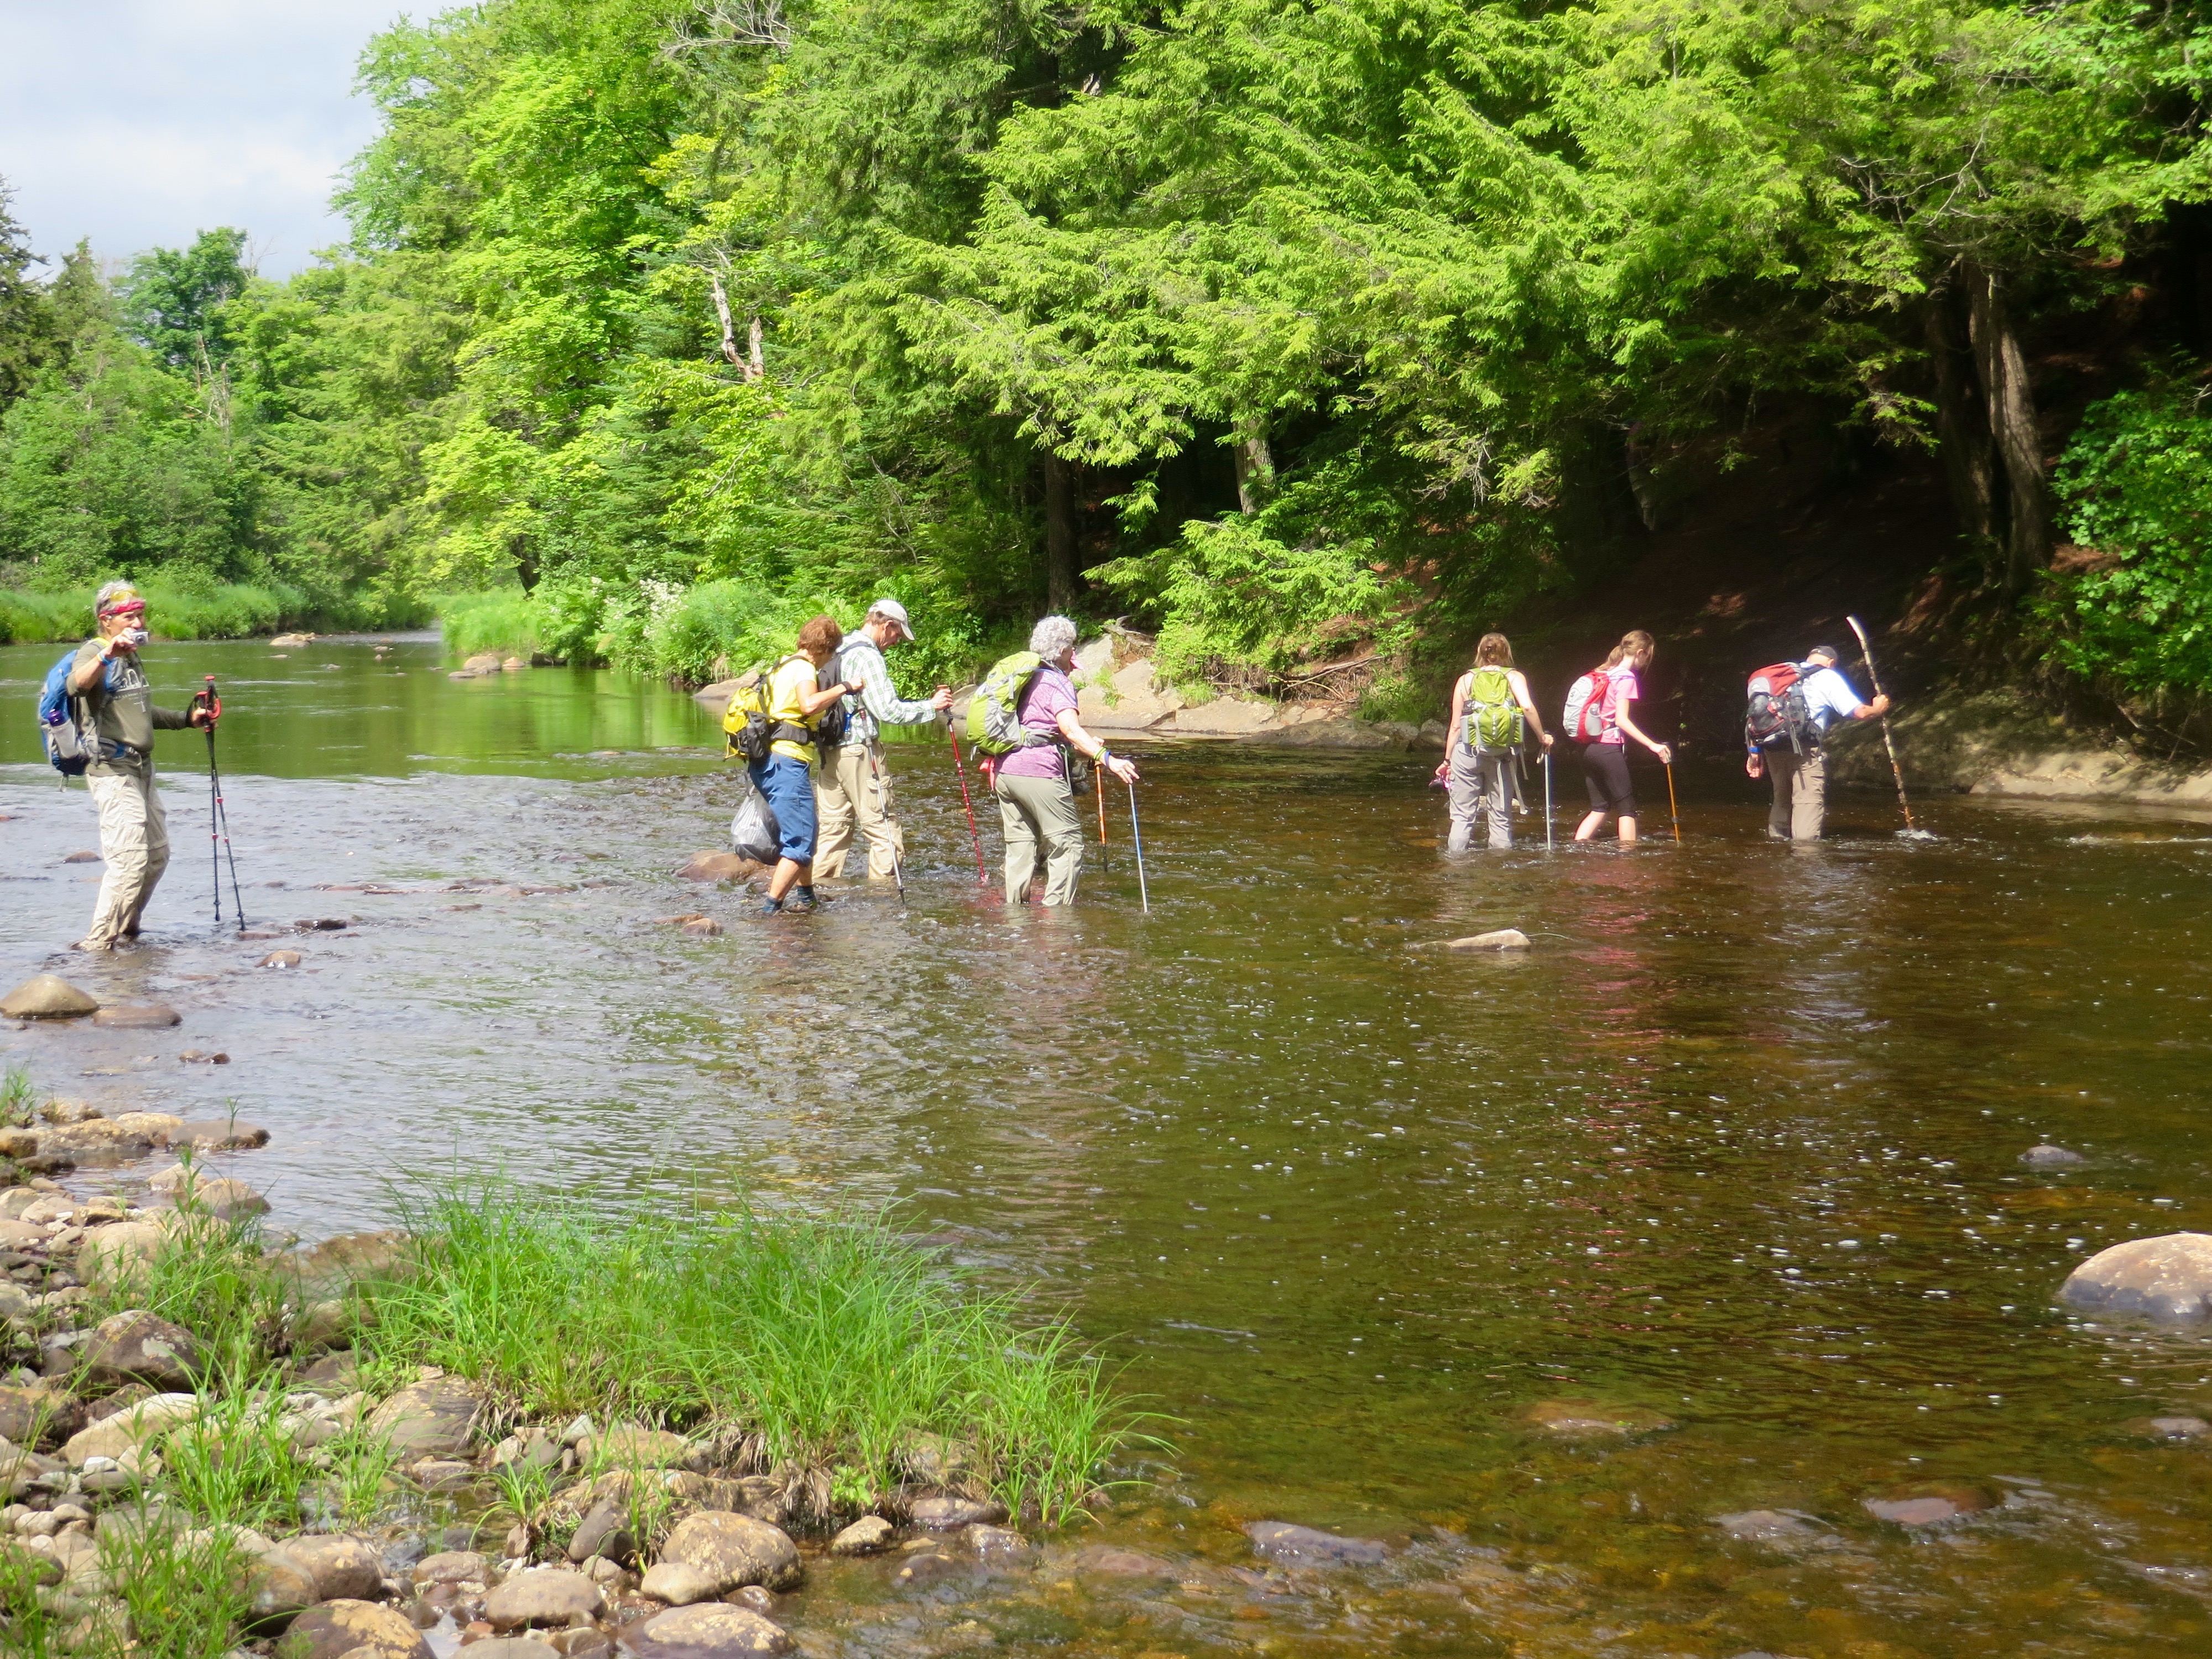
994, 711
1493, 713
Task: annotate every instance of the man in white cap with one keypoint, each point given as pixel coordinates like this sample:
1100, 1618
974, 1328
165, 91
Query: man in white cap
853, 783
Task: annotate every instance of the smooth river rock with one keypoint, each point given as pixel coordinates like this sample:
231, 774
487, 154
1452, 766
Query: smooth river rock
706, 1630
1501, 939
279, 959
429, 1419
868, 1535
136, 1426
734, 1550
2168, 1278
545, 1597
1306, 1546
2050, 1157
354, 1630
677, 1585
30, 1415
323, 1271
719, 866
143, 1347
948, 1514
47, 996
453, 1567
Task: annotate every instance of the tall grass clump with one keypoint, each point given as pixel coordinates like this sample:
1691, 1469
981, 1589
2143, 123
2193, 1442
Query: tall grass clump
834, 1341
213, 1278
504, 620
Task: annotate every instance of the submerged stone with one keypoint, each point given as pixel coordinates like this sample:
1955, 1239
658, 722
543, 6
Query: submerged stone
2168, 1278
949, 1514
1773, 1527
2050, 1157
138, 1016
1586, 1419
1306, 1546
46, 996
1928, 1505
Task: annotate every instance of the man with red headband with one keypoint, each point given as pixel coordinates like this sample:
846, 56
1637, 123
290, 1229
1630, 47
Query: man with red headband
119, 712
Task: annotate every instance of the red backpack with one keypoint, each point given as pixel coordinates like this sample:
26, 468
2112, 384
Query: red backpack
1583, 717
1775, 705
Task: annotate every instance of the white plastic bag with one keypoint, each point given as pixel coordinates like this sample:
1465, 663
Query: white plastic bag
753, 831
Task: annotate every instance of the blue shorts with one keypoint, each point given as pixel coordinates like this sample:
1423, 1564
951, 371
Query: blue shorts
789, 786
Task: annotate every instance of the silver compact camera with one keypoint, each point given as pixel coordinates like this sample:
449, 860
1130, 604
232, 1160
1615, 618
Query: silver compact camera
134, 637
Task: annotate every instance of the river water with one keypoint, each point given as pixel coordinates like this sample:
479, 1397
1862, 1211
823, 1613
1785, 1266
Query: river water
1733, 1152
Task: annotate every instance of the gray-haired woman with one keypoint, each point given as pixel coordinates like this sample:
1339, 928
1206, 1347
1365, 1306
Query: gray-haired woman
1036, 803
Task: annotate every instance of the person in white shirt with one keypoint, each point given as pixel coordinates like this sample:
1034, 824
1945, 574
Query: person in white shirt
1801, 779
852, 785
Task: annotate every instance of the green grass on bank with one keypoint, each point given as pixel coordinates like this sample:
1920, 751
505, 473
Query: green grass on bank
225, 611
836, 1341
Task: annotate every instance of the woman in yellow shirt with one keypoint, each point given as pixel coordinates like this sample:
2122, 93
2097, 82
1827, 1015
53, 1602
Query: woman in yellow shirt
785, 775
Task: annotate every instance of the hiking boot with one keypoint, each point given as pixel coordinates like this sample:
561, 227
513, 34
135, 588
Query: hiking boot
102, 945
771, 907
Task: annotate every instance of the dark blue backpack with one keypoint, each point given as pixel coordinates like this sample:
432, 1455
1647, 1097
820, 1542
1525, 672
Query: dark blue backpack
68, 745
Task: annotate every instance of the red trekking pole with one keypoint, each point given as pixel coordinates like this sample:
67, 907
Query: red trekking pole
973, 834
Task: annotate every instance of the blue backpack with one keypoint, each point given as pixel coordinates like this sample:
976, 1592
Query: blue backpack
68, 746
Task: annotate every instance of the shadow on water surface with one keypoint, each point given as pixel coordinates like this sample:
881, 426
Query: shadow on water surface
1730, 1156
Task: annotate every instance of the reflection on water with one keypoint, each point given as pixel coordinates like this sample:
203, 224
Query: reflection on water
1736, 1144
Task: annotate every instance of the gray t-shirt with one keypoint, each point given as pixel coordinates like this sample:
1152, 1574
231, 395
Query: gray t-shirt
121, 706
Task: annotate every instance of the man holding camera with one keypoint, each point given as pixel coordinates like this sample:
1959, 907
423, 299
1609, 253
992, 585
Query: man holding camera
120, 716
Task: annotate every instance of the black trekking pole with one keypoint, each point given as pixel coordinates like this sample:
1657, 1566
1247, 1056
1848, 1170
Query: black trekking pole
882, 805
209, 702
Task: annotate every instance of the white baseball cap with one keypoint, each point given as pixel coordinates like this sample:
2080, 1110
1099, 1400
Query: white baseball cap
892, 611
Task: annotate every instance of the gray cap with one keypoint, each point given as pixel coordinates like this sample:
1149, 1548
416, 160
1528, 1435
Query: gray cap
892, 611
1827, 651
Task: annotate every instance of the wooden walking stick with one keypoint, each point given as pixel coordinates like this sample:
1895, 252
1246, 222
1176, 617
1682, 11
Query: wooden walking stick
1895, 770
1673, 812
1098, 788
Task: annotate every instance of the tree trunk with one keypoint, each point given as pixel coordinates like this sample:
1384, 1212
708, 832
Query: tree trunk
729, 328
1256, 471
755, 360
1962, 430
1059, 532
2011, 404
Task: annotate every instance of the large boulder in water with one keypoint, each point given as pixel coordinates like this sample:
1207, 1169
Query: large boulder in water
1306, 1546
2167, 1279
47, 996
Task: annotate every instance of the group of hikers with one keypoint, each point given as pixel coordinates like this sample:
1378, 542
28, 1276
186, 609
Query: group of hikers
809, 729
1789, 709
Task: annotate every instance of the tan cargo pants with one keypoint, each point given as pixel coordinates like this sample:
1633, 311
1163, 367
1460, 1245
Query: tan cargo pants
1040, 813
847, 788
1801, 793
134, 840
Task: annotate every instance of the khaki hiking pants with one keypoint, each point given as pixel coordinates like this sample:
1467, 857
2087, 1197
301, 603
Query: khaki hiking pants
1479, 785
134, 840
1037, 812
847, 788
1800, 794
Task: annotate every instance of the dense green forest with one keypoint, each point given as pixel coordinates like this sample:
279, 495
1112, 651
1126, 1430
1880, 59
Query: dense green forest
1286, 330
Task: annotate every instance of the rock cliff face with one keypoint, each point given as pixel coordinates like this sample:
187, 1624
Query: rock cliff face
1995, 744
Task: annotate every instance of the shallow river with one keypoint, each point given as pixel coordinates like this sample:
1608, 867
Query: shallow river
1735, 1145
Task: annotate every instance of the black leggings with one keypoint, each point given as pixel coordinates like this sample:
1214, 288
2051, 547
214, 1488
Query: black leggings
1604, 768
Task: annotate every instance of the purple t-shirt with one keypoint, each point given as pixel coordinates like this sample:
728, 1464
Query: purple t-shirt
1621, 687
1051, 693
